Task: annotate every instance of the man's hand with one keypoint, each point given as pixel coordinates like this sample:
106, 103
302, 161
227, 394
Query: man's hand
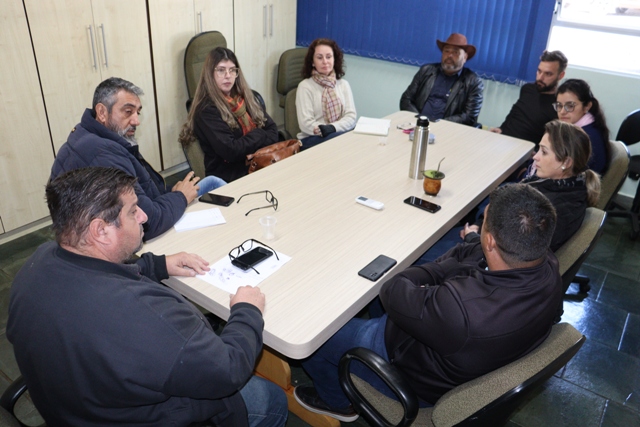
495, 130
469, 229
188, 186
184, 264
248, 294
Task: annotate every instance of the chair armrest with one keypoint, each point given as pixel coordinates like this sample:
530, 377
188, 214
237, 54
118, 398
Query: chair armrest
390, 375
11, 395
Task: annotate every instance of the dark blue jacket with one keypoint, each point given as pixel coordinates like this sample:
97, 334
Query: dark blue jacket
92, 144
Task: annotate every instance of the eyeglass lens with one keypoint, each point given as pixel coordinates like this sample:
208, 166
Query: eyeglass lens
568, 107
233, 72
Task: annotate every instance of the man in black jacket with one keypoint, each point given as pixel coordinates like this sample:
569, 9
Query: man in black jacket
447, 90
100, 341
477, 308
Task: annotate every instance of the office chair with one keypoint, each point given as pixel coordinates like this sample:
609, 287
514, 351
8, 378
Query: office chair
194, 56
488, 400
629, 133
289, 75
8, 402
616, 173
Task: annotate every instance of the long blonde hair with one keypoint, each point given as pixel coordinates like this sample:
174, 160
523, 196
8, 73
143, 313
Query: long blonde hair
208, 90
570, 141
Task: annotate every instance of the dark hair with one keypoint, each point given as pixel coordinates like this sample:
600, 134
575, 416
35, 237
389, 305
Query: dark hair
106, 91
338, 58
582, 91
208, 90
570, 141
521, 220
555, 56
79, 196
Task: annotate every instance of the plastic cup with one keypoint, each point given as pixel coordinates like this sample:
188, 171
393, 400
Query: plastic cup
268, 224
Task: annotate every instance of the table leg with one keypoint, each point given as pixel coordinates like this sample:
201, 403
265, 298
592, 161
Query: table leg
277, 370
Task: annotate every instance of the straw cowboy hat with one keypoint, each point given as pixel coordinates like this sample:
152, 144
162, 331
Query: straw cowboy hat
459, 40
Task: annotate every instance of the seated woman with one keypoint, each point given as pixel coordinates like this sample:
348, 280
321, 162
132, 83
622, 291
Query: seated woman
324, 101
576, 104
226, 118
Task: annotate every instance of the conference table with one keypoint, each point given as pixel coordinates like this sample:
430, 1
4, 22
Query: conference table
330, 237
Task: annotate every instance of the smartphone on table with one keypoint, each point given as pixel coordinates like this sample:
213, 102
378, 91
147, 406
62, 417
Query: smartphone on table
216, 199
376, 268
422, 204
251, 258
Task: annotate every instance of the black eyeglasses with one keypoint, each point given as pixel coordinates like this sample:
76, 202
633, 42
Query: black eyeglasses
568, 106
238, 252
268, 196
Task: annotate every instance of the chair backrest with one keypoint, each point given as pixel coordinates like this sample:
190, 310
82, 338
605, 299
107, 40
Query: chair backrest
291, 126
195, 54
629, 131
574, 251
615, 175
290, 72
195, 158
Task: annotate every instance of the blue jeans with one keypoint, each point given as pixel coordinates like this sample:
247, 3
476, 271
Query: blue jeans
322, 366
266, 403
209, 183
312, 141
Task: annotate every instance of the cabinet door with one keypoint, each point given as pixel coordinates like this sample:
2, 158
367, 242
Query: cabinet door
26, 153
122, 42
216, 15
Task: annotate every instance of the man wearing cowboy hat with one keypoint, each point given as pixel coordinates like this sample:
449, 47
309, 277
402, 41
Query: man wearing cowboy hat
447, 90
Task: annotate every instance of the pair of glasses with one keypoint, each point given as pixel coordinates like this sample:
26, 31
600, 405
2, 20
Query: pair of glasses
242, 257
221, 72
268, 195
568, 107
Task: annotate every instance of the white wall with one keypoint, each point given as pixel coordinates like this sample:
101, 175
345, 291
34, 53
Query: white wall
377, 86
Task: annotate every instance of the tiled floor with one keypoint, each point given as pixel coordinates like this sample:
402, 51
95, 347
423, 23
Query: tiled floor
599, 387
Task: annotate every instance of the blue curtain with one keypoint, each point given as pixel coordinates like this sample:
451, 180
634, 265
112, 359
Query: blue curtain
510, 35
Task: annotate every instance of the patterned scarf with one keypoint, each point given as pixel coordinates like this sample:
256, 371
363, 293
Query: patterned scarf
331, 105
239, 110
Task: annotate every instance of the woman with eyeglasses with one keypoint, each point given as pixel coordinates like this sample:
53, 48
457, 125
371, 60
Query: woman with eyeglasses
226, 118
324, 102
576, 104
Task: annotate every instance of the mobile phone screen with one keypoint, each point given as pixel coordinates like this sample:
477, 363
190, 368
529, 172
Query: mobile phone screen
216, 199
422, 204
252, 258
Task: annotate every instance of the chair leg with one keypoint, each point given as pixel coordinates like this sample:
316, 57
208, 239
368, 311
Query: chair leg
583, 282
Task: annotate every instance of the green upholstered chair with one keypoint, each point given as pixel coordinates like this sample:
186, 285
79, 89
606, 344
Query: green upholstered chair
615, 175
488, 400
195, 54
289, 75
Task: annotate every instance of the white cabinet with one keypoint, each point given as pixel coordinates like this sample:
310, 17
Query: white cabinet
265, 30
173, 23
79, 43
26, 153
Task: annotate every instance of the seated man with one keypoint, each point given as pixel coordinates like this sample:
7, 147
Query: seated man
534, 107
447, 90
477, 308
105, 137
102, 342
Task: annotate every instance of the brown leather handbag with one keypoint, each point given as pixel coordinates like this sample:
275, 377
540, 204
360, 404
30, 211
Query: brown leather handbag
272, 153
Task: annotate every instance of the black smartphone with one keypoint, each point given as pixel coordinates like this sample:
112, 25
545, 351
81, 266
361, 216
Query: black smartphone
376, 268
251, 258
216, 199
422, 204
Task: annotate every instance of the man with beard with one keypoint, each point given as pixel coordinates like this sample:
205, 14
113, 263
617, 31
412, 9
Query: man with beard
534, 108
100, 341
447, 90
105, 136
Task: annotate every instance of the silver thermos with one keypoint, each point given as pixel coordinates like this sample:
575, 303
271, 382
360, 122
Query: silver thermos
419, 150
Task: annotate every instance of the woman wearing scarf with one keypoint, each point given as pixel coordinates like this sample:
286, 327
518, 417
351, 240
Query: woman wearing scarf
324, 101
577, 105
226, 118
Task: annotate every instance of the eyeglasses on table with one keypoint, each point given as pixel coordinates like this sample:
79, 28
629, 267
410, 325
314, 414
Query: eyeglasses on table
245, 247
268, 196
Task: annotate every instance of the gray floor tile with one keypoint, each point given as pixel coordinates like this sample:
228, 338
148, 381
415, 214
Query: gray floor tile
605, 371
8, 364
631, 336
597, 321
616, 415
622, 292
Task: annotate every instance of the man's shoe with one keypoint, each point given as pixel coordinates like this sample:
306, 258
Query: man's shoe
308, 398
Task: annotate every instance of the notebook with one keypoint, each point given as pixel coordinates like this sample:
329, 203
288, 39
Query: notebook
371, 126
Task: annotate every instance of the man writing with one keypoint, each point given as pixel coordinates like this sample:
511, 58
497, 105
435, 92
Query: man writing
477, 308
105, 137
534, 107
447, 90
102, 342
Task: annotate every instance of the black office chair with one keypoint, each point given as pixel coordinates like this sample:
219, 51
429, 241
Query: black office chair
8, 402
486, 401
629, 133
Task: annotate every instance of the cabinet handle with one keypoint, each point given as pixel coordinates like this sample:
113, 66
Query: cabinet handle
200, 21
93, 47
271, 20
264, 21
104, 45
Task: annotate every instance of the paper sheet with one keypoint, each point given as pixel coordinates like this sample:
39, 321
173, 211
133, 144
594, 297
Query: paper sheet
373, 126
200, 219
229, 278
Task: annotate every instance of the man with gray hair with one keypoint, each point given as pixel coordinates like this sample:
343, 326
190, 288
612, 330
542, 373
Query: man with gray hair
105, 137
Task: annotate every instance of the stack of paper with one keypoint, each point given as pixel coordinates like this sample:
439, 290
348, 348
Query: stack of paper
373, 126
200, 219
